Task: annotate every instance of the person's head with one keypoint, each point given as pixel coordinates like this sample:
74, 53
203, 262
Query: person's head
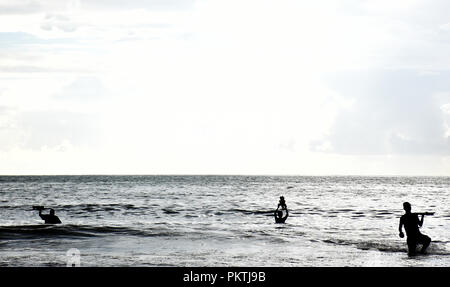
52, 212
407, 207
282, 198
279, 213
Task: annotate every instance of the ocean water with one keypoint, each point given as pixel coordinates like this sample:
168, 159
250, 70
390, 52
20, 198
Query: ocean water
220, 220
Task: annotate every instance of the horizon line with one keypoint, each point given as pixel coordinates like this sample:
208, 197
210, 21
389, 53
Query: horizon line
213, 174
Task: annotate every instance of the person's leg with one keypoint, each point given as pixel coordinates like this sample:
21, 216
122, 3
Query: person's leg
412, 243
425, 241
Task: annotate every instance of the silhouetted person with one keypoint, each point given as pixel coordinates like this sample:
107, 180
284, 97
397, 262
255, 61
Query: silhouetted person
282, 203
412, 223
50, 218
279, 216
279, 213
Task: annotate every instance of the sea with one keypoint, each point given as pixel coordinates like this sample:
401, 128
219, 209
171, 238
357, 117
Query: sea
214, 221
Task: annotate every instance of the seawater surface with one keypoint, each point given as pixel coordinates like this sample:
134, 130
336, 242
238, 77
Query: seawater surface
220, 220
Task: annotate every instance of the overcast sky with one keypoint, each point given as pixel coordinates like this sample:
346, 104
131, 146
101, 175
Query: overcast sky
225, 87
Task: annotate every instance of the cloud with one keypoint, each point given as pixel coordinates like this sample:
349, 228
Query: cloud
9, 134
37, 129
393, 112
19, 7
54, 127
58, 21
26, 7
15, 40
83, 88
29, 55
31, 69
32, 125
138, 4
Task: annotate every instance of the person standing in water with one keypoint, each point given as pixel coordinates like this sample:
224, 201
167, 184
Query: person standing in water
279, 213
50, 218
412, 223
282, 203
279, 216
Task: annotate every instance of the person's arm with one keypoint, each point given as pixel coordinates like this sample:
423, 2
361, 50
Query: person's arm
41, 215
400, 228
44, 216
421, 221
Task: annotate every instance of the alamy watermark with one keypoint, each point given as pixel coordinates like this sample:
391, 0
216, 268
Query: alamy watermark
73, 257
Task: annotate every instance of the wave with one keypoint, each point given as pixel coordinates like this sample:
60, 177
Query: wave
170, 211
86, 210
76, 231
90, 207
384, 247
99, 207
436, 247
250, 212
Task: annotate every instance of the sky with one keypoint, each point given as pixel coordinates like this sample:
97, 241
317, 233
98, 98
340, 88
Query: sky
225, 87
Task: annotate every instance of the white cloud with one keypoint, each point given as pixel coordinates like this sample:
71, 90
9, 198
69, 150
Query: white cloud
48, 128
56, 21
395, 111
19, 7
84, 89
